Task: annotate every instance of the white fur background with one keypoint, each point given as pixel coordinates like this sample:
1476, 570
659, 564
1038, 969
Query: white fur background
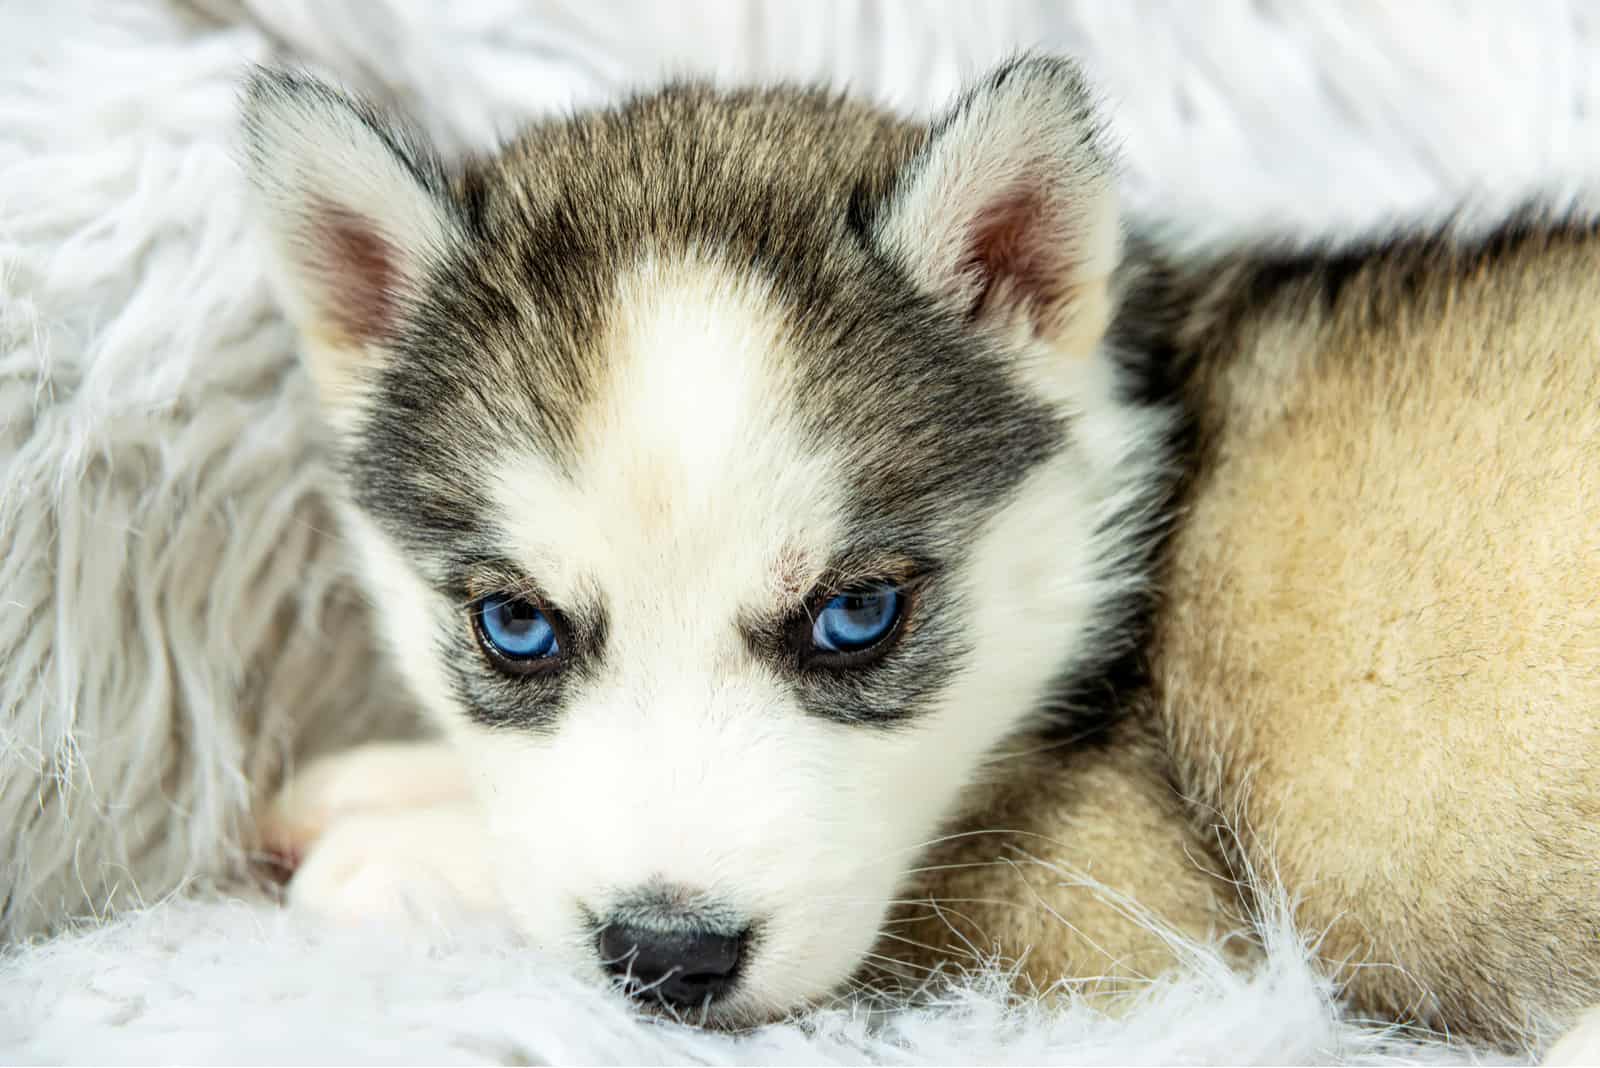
175, 621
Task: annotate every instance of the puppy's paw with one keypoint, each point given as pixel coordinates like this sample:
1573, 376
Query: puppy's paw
399, 866
1581, 1045
371, 778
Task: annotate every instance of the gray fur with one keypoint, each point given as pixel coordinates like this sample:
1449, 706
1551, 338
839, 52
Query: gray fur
787, 184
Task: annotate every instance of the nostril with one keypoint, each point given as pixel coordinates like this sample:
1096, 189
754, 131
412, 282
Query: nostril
684, 968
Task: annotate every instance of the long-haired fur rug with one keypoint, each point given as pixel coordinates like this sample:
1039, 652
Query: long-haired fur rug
177, 624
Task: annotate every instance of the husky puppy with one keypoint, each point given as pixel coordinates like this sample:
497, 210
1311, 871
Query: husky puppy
732, 473
758, 495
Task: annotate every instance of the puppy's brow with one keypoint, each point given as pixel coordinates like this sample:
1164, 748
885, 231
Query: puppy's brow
792, 573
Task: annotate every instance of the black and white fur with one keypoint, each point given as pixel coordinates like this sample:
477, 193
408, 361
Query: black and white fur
676, 369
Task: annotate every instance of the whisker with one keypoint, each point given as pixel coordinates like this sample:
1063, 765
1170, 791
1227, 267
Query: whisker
963, 866
841, 899
1049, 747
892, 962
911, 942
1011, 831
957, 836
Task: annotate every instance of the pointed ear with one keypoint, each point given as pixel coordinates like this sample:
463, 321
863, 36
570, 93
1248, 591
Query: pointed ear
1009, 212
356, 210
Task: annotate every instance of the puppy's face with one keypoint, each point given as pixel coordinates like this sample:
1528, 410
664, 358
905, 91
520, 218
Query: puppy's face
731, 472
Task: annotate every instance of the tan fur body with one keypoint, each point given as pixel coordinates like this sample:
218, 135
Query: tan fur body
1377, 665
1068, 866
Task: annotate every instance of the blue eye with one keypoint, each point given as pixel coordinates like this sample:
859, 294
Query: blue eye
856, 619
516, 629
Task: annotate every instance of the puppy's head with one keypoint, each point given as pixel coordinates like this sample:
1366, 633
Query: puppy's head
731, 472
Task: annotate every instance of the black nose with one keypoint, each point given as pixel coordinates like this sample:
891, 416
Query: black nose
685, 968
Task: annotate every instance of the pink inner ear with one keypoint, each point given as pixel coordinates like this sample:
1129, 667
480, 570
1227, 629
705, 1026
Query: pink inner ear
1016, 252
360, 268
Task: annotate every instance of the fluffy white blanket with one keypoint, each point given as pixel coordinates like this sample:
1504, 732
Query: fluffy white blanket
175, 620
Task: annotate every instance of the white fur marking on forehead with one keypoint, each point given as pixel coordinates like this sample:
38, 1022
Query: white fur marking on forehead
691, 473
699, 355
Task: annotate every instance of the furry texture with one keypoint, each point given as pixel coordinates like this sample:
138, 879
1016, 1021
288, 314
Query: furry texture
1412, 442
233, 984
175, 618
522, 431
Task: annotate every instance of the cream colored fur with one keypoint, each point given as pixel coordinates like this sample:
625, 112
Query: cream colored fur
1381, 655
1375, 674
